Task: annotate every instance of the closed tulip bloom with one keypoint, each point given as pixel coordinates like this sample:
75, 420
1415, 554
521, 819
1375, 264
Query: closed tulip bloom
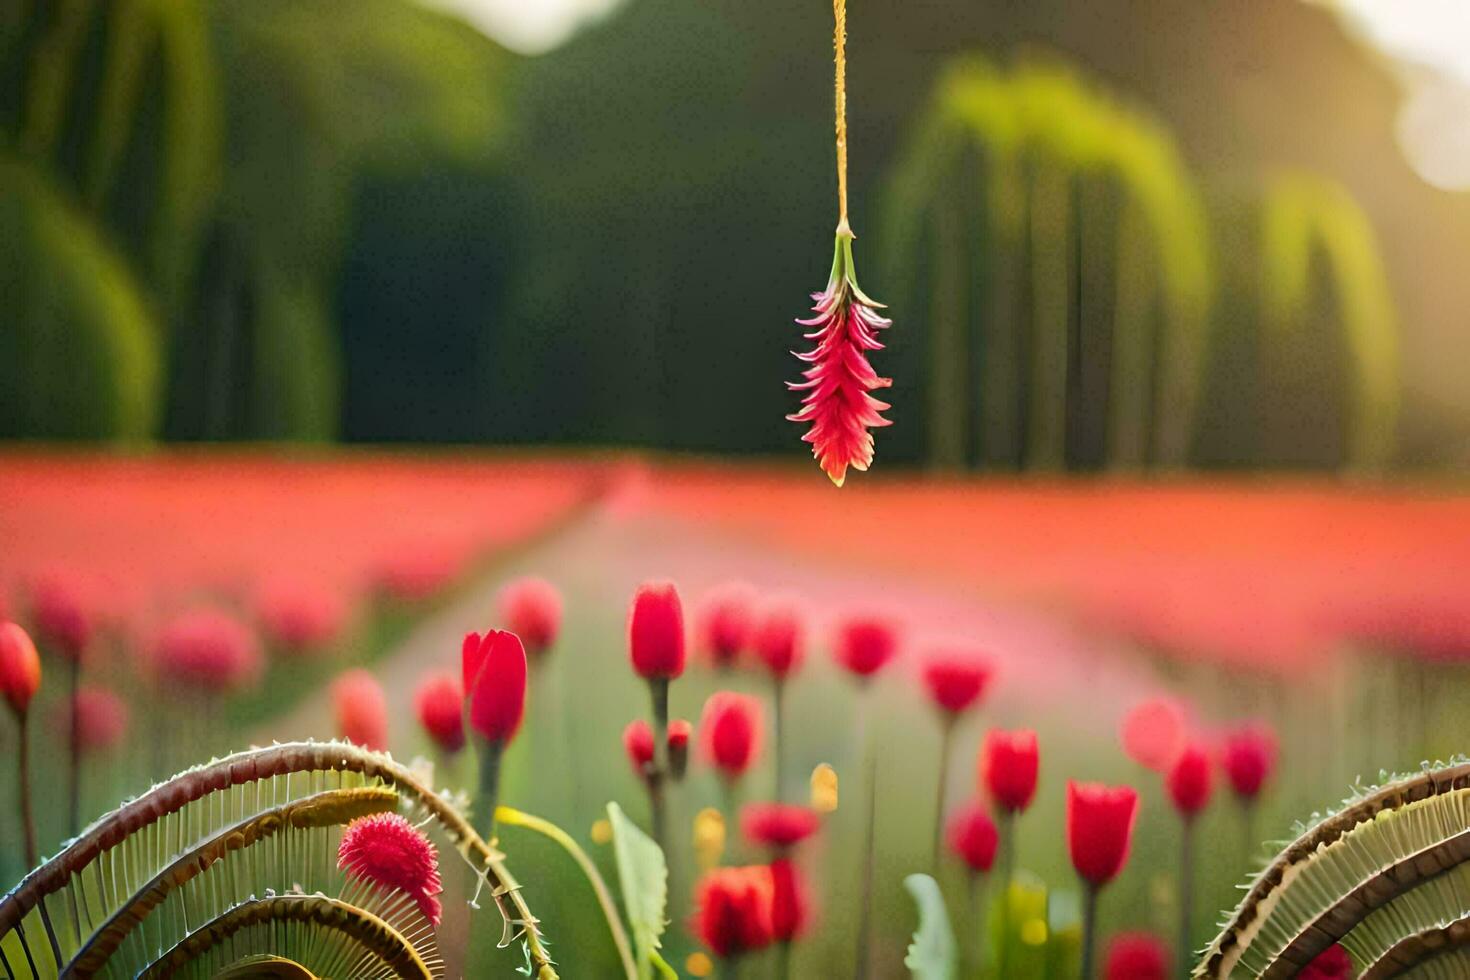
730, 732
1009, 762
361, 709
20, 668
1191, 781
102, 719
865, 645
1333, 963
1136, 956
778, 825
790, 904
656, 632
678, 742
1248, 758
733, 910
439, 704
972, 837
955, 680
531, 609
63, 618
725, 623
1153, 733
778, 640
207, 650
638, 744
298, 618
1100, 829
494, 674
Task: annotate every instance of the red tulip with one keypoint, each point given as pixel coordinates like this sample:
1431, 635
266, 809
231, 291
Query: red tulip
1009, 762
388, 852
1191, 781
955, 680
102, 719
1248, 758
1099, 828
730, 732
656, 632
865, 646
638, 744
362, 711
1136, 956
20, 668
439, 703
1153, 733
414, 575
1334, 963
207, 650
733, 910
725, 623
494, 668
777, 640
531, 609
299, 618
678, 743
778, 825
973, 838
790, 905
62, 616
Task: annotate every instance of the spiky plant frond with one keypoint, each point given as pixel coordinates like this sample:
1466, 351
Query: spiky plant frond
1384, 874
110, 873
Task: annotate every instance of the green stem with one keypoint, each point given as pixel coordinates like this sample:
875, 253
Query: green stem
1186, 893
946, 746
546, 828
658, 688
27, 817
779, 729
865, 914
1089, 928
74, 747
1006, 819
490, 753
783, 960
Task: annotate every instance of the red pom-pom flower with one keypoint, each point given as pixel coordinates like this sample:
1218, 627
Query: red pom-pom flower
1191, 781
837, 384
387, 852
865, 645
20, 668
656, 632
778, 825
955, 680
494, 671
299, 618
1009, 762
1153, 733
725, 623
638, 744
207, 650
1100, 829
1136, 956
730, 732
733, 910
531, 609
1248, 757
972, 836
361, 709
777, 640
439, 704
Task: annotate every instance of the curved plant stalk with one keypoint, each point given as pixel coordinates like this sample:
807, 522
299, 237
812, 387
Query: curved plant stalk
1390, 848
515, 818
265, 968
365, 929
319, 810
1443, 944
26, 917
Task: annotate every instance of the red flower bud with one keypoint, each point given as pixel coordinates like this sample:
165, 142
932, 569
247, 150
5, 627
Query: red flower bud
102, 719
865, 646
414, 575
1333, 963
1100, 828
778, 825
62, 616
361, 709
1136, 956
1190, 781
1248, 758
730, 732
679, 732
531, 609
1008, 767
656, 631
439, 703
725, 623
638, 743
495, 683
299, 618
972, 837
955, 680
207, 650
388, 852
790, 906
1153, 733
733, 910
20, 668
777, 640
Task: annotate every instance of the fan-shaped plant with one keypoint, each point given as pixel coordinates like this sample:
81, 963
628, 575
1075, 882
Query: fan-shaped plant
1385, 875
234, 866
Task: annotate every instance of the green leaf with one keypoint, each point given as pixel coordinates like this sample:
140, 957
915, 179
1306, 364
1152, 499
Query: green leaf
932, 954
645, 880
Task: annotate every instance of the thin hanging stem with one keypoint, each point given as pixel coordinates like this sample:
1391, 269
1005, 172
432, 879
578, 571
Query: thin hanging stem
546, 828
839, 42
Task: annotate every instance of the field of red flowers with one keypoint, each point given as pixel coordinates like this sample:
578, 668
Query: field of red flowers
1227, 657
